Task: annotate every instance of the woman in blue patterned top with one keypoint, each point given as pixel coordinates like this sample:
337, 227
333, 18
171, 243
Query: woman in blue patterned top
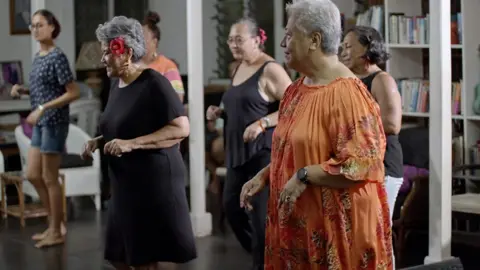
51, 89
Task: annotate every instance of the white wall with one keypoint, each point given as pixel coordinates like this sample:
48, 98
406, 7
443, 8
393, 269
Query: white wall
19, 47
173, 25
65, 13
13, 47
346, 7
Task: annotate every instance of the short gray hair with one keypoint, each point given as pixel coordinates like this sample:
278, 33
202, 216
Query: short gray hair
253, 27
251, 24
320, 16
129, 29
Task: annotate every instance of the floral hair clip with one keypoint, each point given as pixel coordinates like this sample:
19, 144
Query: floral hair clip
117, 46
263, 36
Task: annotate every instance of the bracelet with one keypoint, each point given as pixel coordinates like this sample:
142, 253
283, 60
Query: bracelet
267, 121
260, 124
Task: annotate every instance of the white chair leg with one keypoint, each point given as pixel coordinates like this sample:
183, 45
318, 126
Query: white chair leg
98, 202
207, 179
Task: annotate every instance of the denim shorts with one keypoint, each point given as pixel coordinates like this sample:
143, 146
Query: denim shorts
50, 139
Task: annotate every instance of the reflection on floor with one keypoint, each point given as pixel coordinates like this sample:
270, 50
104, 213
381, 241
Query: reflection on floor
84, 247
83, 250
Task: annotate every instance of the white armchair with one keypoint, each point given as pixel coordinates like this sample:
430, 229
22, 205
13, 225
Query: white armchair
2, 163
79, 180
85, 113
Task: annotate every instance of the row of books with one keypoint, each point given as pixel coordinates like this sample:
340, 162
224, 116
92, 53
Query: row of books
415, 95
415, 29
373, 17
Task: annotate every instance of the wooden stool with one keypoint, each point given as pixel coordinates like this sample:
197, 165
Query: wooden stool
23, 210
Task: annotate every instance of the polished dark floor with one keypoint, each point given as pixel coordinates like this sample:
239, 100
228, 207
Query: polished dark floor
84, 246
83, 249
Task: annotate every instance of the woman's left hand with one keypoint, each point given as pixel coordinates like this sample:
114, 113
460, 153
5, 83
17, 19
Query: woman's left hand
290, 193
117, 147
252, 132
34, 116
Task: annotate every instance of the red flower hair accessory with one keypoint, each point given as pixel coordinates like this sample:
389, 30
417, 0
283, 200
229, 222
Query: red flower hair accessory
263, 35
117, 46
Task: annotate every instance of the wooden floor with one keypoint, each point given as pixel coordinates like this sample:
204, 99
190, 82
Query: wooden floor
84, 247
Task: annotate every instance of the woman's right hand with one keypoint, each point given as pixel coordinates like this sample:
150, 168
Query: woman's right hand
213, 113
89, 148
18, 90
249, 189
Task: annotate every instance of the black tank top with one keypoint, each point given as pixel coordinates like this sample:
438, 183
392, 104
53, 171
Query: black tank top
244, 105
393, 155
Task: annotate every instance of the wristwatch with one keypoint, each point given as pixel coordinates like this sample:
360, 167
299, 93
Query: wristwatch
41, 108
302, 176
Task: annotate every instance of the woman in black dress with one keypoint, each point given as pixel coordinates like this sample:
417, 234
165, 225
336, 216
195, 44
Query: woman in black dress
141, 127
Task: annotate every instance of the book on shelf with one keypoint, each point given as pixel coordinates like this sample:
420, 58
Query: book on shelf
415, 29
474, 157
415, 96
457, 151
456, 28
373, 17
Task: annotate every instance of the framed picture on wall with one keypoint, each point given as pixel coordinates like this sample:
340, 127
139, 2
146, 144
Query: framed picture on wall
10, 74
20, 17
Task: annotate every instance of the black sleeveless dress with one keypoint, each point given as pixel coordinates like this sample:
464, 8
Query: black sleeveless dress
393, 154
243, 105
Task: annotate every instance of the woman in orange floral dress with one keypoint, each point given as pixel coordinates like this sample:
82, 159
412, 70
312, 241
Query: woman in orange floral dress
328, 208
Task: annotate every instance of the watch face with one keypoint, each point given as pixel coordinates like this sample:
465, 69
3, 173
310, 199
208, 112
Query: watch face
302, 175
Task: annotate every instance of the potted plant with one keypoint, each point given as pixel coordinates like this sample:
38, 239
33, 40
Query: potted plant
227, 13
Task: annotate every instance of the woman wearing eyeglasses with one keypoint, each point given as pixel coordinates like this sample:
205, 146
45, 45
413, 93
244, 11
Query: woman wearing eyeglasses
250, 114
52, 89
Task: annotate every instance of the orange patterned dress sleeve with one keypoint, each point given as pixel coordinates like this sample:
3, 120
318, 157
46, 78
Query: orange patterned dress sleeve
356, 133
337, 127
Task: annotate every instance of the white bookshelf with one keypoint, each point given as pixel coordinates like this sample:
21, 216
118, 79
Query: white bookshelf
407, 62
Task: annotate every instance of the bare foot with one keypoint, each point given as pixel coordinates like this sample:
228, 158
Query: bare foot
63, 229
51, 239
41, 236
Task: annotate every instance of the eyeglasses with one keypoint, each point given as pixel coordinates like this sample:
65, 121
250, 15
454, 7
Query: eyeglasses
236, 40
35, 26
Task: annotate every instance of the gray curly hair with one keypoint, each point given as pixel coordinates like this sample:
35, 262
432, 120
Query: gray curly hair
320, 16
129, 29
